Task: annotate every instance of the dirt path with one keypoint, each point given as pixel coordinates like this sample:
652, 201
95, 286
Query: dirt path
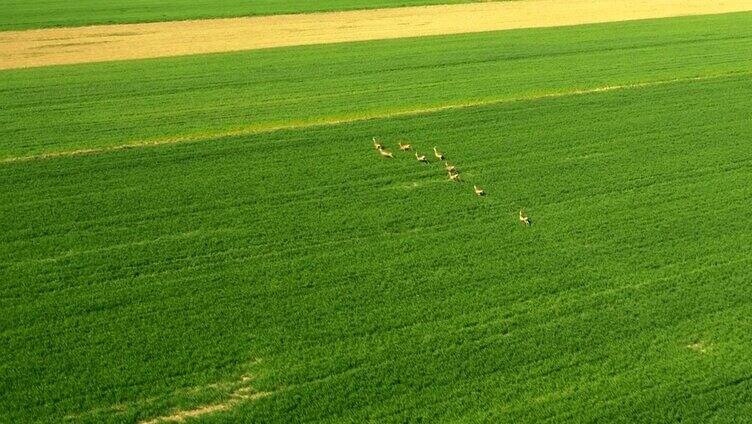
20, 49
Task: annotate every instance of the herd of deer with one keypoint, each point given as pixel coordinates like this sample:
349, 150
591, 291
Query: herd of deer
452, 173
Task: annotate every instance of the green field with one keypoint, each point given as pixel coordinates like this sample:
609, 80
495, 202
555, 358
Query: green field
294, 275
27, 14
97, 105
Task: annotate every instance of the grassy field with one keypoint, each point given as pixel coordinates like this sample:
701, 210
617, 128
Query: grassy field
294, 275
352, 287
27, 14
98, 105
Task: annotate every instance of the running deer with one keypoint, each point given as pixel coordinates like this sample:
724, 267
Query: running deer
405, 147
438, 154
479, 191
450, 168
386, 153
524, 220
421, 158
454, 176
377, 144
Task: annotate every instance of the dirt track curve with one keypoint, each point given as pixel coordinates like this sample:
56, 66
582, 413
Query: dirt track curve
21, 49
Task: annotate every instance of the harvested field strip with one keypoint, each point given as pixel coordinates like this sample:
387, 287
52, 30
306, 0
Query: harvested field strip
384, 115
170, 266
100, 106
44, 47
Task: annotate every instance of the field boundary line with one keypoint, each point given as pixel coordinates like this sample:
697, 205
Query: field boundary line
334, 121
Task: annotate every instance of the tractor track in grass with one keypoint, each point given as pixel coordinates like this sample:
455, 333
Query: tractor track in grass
101, 43
329, 121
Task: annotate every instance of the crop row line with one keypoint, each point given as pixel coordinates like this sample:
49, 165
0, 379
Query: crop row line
333, 121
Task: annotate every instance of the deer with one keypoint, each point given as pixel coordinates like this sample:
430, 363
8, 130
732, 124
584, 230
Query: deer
524, 220
386, 153
453, 176
405, 147
438, 154
421, 158
377, 144
479, 191
450, 168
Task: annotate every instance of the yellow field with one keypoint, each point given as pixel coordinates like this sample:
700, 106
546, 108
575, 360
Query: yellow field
44, 47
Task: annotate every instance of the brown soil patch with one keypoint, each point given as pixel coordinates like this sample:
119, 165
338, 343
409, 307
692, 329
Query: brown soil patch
699, 347
239, 396
21, 49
